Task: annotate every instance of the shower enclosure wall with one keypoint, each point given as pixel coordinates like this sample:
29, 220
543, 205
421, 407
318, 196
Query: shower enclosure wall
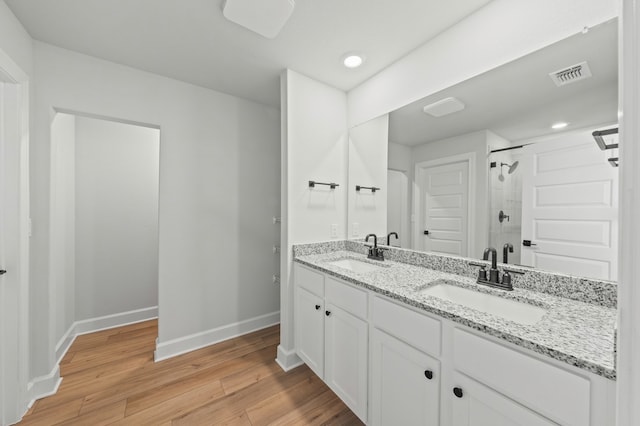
505, 205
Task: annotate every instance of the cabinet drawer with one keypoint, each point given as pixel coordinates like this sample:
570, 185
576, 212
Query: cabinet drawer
418, 330
551, 391
344, 296
309, 279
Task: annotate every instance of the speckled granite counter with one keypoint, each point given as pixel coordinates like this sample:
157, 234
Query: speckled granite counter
574, 332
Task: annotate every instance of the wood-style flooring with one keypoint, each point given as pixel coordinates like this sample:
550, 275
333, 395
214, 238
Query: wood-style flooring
110, 378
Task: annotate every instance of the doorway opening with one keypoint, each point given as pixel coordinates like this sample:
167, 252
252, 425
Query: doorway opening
104, 225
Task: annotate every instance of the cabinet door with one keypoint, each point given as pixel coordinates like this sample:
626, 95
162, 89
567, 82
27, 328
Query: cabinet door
405, 383
477, 405
309, 330
346, 358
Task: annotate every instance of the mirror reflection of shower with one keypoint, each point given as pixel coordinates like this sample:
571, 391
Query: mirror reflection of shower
512, 168
505, 204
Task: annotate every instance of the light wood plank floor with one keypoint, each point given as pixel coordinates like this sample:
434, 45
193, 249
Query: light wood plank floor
110, 378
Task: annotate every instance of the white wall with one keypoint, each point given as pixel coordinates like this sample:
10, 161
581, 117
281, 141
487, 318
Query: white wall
399, 157
317, 147
368, 167
314, 147
219, 169
498, 33
62, 261
116, 211
14, 39
398, 208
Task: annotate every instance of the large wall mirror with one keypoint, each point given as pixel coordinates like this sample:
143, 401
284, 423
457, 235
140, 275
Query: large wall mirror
506, 159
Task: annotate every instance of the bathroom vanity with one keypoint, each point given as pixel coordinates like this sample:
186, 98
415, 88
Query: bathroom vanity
417, 341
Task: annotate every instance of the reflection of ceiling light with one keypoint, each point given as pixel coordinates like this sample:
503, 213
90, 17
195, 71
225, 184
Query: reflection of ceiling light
352, 60
443, 107
559, 125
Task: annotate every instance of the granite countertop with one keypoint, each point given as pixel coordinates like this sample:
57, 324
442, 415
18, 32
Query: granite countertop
577, 333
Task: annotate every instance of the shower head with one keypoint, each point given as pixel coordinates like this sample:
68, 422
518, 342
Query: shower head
512, 167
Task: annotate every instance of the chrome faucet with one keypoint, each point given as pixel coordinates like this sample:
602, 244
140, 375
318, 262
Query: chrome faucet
508, 248
493, 272
375, 252
494, 279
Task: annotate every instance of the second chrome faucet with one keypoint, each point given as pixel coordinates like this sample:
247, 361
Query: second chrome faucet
375, 252
494, 279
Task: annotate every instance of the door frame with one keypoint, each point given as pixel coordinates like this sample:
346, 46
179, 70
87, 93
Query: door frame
13, 403
628, 342
420, 168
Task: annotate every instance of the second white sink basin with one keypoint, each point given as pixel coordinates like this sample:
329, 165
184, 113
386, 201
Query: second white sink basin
356, 265
512, 310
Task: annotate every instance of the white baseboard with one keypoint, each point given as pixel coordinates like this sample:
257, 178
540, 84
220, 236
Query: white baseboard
116, 320
195, 341
92, 325
288, 359
43, 386
65, 343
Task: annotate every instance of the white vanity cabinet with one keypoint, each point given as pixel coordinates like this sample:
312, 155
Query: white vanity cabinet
478, 405
405, 380
310, 330
309, 318
427, 370
332, 335
553, 393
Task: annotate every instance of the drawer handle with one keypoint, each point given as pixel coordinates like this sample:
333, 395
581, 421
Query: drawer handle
428, 374
327, 313
317, 307
458, 392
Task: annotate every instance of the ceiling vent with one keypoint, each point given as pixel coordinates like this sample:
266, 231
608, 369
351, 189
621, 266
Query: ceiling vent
443, 107
265, 17
571, 74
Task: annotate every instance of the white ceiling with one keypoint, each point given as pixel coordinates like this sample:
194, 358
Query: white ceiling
519, 101
190, 40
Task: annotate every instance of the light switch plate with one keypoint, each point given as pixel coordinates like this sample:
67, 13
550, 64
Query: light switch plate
334, 230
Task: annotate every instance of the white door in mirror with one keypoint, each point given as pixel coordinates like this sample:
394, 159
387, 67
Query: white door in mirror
444, 194
570, 207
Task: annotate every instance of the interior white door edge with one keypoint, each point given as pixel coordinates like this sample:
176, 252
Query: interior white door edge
14, 239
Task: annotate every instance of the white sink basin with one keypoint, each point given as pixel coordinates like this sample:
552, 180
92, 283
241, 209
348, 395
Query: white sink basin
512, 310
356, 265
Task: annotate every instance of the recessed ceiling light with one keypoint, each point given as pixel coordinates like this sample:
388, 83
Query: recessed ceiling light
559, 125
352, 60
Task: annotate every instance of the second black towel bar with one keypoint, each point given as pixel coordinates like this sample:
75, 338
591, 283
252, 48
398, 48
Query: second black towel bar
313, 183
372, 188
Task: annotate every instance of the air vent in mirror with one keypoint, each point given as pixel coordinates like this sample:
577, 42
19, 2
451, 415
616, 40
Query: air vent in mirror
571, 74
